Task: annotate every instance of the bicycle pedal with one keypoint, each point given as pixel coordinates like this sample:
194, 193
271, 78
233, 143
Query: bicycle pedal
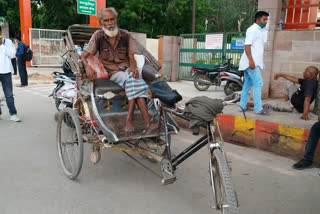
166, 181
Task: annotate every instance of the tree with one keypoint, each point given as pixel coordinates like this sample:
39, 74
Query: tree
153, 17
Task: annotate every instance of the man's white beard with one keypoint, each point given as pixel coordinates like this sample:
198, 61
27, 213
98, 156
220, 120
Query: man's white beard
110, 33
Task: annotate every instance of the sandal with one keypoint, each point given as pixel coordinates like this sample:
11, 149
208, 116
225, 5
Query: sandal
264, 111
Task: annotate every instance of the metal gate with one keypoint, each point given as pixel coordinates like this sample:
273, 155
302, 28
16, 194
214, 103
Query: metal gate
208, 50
47, 47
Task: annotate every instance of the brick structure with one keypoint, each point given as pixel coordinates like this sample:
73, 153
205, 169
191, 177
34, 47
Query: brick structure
286, 51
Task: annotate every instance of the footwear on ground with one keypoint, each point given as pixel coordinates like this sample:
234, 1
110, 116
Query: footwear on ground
302, 164
15, 118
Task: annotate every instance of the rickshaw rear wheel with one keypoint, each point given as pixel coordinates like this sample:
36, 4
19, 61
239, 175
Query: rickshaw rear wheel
70, 143
221, 180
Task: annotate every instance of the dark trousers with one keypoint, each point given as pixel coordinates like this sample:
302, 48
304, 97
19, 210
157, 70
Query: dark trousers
14, 65
6, 81
312, 142
22, 71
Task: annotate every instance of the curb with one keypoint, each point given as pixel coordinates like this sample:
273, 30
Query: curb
287, 141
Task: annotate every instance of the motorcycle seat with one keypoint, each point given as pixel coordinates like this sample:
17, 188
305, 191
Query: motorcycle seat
204, 70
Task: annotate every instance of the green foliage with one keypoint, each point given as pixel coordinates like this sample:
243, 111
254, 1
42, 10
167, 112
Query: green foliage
153, 17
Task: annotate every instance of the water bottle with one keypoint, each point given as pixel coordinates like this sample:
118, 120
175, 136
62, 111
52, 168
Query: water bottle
280, 26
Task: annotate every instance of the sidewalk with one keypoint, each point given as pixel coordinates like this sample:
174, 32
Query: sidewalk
282, 133
38, 75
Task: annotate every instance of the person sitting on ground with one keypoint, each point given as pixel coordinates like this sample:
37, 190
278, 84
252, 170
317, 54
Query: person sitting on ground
301, 97
116, 49
310, 148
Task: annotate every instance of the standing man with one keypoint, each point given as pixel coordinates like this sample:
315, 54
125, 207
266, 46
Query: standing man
21, 62
7, 52
116, 49
252, 61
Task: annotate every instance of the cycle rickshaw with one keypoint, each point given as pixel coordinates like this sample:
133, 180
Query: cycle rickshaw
97, 118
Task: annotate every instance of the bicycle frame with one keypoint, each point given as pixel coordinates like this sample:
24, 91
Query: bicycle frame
209, 139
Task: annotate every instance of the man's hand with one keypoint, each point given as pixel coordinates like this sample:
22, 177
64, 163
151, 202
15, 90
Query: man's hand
304, 117
251, 64
276, 76
135, 73
91, 74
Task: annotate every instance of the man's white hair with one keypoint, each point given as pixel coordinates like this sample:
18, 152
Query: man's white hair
101, 11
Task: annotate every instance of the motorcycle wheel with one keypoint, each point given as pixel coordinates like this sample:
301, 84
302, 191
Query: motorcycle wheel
230, 88
57, 102
198, 85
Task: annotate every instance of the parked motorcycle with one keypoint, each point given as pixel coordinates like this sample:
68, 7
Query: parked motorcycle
203, 78
226, 76
231, 80
64, 92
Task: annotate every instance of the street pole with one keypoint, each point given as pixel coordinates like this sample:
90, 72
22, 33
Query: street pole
194, 60
194, 17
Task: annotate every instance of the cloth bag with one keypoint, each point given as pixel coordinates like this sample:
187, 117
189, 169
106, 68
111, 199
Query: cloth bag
165, 93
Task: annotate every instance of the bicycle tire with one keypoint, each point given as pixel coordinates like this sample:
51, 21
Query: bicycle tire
70, 124
223, 184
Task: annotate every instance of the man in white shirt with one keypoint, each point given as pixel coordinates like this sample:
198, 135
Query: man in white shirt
7, 52
252, 61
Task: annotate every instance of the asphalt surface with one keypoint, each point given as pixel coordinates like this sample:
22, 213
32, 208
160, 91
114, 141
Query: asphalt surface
32, 181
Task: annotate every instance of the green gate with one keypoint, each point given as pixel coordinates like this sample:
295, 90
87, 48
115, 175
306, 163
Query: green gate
208, 50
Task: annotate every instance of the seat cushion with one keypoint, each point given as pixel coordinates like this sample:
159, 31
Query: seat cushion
104, 85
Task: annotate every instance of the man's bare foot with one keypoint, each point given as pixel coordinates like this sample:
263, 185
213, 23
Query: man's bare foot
152, 127
286, 98
129, 126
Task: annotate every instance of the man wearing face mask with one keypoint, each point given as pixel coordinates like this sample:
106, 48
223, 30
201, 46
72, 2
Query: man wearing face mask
116, 49
252, 61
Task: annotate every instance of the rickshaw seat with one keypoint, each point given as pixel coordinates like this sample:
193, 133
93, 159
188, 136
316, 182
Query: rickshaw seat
104, 85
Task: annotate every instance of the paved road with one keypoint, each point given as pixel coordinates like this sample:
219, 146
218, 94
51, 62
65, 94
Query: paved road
31, 180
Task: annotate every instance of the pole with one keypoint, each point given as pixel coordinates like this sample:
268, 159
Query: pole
25, 20
194, 58
93, 19
194, 17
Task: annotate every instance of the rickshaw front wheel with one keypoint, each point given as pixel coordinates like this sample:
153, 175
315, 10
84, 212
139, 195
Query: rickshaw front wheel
70, 143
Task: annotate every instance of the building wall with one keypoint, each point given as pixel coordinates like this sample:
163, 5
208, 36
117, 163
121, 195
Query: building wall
293, 51
153, 47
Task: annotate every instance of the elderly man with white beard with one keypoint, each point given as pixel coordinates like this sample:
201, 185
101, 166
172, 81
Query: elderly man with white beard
116, 49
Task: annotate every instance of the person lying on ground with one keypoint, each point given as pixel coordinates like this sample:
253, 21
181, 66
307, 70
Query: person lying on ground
310, 148
301, 97
116, 49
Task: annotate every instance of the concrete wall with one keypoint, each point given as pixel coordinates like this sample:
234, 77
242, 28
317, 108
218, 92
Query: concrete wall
273, 8
293, 51
169, 57
141, 37
153, 47
286, 51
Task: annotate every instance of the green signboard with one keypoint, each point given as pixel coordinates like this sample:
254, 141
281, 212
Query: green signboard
87, 7
2, 21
